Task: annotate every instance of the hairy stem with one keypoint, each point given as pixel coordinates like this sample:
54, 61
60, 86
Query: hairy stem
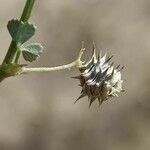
48, 69
77, 63
10, 56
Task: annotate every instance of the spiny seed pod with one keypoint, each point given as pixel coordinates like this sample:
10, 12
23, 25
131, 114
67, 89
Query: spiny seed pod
99, 79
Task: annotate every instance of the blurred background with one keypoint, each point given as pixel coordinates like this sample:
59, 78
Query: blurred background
37, 110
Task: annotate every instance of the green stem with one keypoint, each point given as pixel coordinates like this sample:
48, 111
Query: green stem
27, 10
10, 53
17, 56
9, 58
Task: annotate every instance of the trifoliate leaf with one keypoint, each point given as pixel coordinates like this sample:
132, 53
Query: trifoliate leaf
20, 31
32, 51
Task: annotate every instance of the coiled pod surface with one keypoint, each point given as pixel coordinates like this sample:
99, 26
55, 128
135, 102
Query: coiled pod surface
99, 79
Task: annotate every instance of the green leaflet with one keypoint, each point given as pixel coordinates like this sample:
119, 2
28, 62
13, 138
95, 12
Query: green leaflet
31, 51
20, 31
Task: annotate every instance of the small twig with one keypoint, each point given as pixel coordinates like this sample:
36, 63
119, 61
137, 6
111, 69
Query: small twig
11, 53
77, 63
